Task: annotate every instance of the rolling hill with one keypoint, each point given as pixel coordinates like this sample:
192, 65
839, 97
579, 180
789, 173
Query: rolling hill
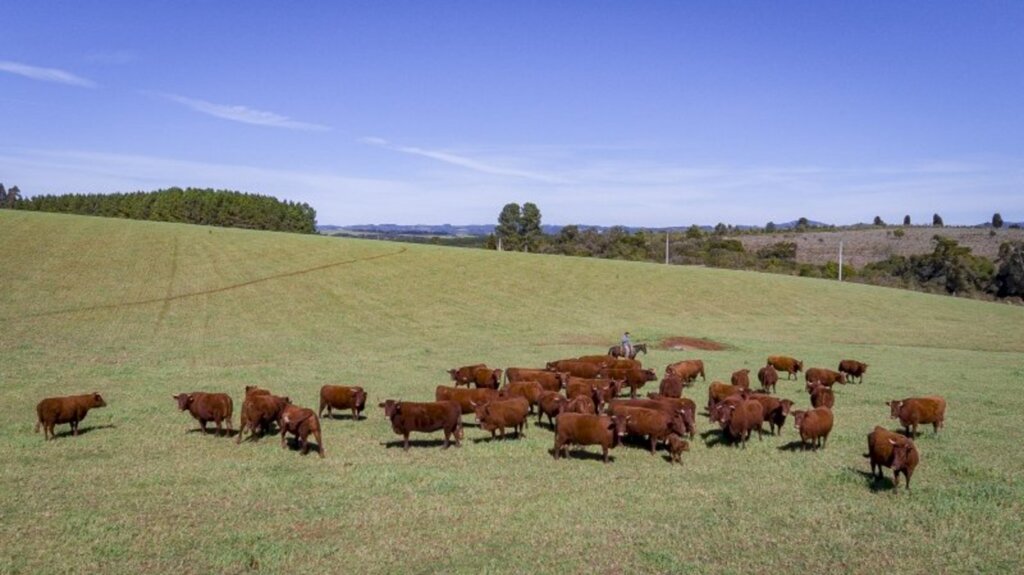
139, 311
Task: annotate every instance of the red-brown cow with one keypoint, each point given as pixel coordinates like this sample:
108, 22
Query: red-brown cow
768, 378
580, 429
671, 386
576, 368
814, 426
791, 366
775, 410
528, 390
651, 423
550, 404
464, 397
342, 397
497, 415
821, 396
824, 376
207, 407
739, 419
687, 370
609, 389
676, 446
426, 417
487, 378
634, 378
917, 410
853, 368
718, 391
70, 409
465, 375
741, 378
602, 360
549, 380
892, 450
300, 422
667, 405
259, 410
581, 404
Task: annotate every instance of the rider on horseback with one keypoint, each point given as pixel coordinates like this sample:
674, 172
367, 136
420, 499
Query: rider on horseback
627, 346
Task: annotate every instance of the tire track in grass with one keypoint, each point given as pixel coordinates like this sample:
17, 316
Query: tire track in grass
170, 285
167, 299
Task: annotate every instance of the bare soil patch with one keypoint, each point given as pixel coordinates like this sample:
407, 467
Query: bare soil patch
683, 342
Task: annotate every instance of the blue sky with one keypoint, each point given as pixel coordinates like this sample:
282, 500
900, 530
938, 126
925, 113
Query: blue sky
635, 113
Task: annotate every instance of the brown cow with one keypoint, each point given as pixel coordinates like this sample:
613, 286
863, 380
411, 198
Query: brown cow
464, 397
824, 376
255, 390
775, 410
300, 422
487, 378
576, 368
425, 417
741, 378
69, 409
581, 429
549, 380
739, 419
687, 370
581, 404
655, 424
499, 414
814, 425
465, 375
768, 378
578, 386
916, 410
668, 406
676, 446
718, 391
259, 410
634, 378
206, 407
888, 449
671, 386
626, 363
791, 366
528, 390
602, 360
342, 397
853, 368
550, 404
821, 396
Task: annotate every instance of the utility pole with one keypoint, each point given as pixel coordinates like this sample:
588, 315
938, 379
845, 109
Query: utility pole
666, 246
499, 243
840, 260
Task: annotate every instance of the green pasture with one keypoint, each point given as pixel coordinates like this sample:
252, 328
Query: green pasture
140, 311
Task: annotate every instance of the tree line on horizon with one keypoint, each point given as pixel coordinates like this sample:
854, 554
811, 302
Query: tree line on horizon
224, 208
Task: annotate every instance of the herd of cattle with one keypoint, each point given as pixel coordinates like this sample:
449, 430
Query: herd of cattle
589, 412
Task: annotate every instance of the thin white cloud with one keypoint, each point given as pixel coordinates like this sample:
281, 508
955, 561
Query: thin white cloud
243, 114
45, 74
465, 162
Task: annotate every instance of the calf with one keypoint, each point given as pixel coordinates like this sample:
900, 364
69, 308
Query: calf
464, 397
853, 368
676, 446
768, 378
70, 409
671, 386
549, 380
821, 396
740, 418
550, 404
916, 410
651, 423
497, 415
426, 417
813, 425
741, 378
790, 365
581, 429
342, 397
206, 407
775, 410
634, 378
824, 376
892, 450
300, 422
687, 370
259, 410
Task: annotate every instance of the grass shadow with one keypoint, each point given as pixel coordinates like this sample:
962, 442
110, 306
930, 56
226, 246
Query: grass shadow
83, 430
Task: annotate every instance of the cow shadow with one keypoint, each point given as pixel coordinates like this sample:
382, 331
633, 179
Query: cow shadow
714, 437
213, 431
509, 436
83, 430
416, 443
874, 483
338, 416
580, 453
293, 444
797, 445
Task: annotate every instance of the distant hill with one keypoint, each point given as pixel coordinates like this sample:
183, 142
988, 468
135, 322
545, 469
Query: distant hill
487, 229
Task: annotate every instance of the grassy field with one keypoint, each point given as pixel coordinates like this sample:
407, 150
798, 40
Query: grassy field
140, 311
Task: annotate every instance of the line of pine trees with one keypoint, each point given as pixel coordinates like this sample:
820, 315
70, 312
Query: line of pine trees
225, 208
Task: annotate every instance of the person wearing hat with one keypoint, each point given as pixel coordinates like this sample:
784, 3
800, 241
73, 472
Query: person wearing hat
627, 345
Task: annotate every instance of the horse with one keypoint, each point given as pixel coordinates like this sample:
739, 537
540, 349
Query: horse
616, 350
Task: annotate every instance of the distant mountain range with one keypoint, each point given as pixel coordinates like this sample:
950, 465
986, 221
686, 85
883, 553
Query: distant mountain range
487, 229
